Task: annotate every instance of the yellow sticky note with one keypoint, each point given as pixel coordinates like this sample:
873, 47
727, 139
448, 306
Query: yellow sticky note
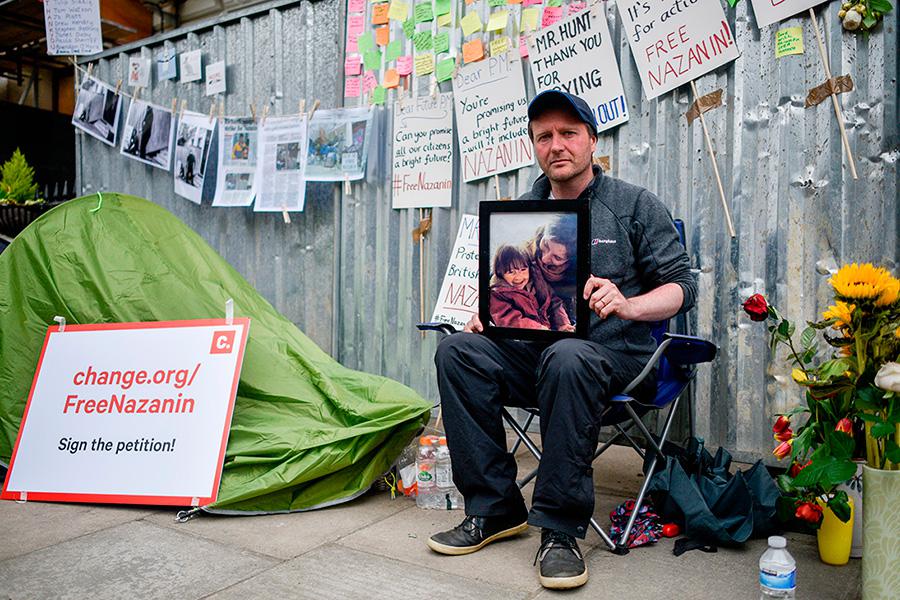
788, 41
424, 64
382, 35
470, 23
380, 13
498, 20
391, 79
399, 11
499, 46
444, 20
529, 19
473, 51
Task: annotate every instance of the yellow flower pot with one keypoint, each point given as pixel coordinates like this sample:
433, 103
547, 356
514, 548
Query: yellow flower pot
835, 536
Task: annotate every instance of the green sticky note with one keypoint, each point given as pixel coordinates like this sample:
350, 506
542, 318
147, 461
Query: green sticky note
378, 95
445, 69
409, 28
789, 41
442, 42
496, 3
393, 51
372, 60
441, 7
732, 3
423, 12
554, 3
423, 41
470, 23
365, 43
445, 20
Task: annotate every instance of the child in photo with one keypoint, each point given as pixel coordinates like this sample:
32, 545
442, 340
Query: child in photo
520, 297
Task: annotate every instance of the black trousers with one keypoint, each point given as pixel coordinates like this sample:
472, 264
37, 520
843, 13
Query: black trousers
569, 381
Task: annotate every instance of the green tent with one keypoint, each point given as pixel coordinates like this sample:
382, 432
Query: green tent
306, 431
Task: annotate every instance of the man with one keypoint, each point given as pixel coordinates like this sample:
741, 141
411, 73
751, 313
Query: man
640, 273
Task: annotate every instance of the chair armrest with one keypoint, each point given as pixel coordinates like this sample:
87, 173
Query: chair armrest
689, 350
651, 364
437, 326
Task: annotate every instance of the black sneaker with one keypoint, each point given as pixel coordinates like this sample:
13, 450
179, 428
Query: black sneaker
562, 564
474, 533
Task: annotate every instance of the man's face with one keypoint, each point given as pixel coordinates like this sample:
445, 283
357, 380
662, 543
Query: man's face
563, 145
554, 260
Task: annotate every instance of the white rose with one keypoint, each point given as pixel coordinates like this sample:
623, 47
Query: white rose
888, 377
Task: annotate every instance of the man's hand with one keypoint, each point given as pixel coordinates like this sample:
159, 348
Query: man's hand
474, 325
605, 299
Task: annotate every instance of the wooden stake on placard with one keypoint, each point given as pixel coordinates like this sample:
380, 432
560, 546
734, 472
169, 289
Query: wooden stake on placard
497, 185
834, 98
712, 155
421, 273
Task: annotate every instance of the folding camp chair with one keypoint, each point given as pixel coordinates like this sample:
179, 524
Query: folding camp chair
675, 360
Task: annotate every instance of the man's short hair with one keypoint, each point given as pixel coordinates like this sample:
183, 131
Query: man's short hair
556, 99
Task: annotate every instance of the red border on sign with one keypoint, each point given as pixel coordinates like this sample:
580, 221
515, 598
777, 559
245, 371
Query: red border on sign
244, 326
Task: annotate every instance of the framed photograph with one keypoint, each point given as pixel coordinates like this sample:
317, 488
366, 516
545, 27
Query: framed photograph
533, 262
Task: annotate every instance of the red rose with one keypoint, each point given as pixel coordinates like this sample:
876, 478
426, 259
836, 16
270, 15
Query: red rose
844, 426
807, 511
781, 423
783, 436
756, 307
797, 467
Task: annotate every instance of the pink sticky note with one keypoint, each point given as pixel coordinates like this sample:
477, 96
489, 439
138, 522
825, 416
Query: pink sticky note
576, 6
352, 46
552, 14
351, 87
523, 47
352, 66
405, 65
355, 25
369, 81
356, 6
530, 2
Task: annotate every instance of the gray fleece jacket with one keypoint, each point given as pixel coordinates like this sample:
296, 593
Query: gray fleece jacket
635, 245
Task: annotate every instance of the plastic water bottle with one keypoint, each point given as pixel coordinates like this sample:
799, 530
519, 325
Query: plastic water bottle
777, 571
427, 496
447, 492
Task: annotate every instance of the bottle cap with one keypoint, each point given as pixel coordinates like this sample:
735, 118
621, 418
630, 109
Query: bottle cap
776, 541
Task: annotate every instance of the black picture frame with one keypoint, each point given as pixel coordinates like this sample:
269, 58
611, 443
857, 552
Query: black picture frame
521, 225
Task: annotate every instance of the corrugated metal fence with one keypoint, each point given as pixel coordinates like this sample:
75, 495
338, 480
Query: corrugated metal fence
347, 271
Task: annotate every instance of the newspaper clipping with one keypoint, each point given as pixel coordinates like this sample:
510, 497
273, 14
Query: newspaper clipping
238, 148
281, 185
338, 144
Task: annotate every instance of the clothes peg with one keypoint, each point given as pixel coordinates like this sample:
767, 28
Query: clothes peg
312, 111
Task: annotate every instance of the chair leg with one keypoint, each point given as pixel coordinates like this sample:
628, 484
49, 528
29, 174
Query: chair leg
622, 546
525, 428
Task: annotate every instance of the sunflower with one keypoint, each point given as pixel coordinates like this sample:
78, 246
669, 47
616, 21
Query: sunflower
866, 282
841, 311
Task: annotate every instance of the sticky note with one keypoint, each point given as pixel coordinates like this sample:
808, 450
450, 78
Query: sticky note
382, 35
366, 43
393, 51
788, 41
530, 2
380, 13
552, 14
473, 51
391, 78
378, 95
355, 26
441, 7
445, 20
351, 87
409, 28
423, 12
515, 1
356, 6
352, 65
496, 3
554, 3
498, 20
352, 46
423, 41
372, 59
523, 47
404, 65
499, 46
445, 69
576, 7
442, 42
399, 11
468, 2
369, 82
470, 23
424, 64
529, 19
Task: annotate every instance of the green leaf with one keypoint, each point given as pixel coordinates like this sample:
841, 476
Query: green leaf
882, 429
840, 507
869, 418
837, 472
808, 337
785, 483
811, 475
892, 451
869, 21
785, 329
841, 445
882, 6
833, 368
802, 442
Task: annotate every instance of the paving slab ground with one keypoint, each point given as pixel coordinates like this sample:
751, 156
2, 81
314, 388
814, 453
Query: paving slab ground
373, 547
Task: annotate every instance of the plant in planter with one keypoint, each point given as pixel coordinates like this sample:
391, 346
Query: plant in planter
849, 412
17, 185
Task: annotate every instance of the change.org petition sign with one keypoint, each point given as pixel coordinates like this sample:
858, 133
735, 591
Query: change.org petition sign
130, 413
676, 41
492, 117
576, 56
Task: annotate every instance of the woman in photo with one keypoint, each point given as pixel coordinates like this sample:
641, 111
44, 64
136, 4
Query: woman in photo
520, 297
553, 252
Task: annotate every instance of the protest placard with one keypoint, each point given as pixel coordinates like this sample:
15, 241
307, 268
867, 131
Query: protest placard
771, 11
675, 41
423, 152
577, 56
492, 117
135, 413
72, 26
458, 299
